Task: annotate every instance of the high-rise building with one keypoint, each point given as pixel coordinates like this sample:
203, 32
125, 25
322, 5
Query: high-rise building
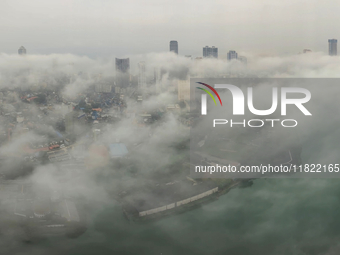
210, 52
22, 50
232, 55
206, 51
174, 46
332, 47
122, 64
122, 72
141, 75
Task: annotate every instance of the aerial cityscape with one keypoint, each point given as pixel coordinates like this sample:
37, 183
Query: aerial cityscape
85, 133
158, 127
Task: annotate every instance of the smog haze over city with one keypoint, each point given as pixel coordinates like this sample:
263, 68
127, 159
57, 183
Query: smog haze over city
106, 28
103, 121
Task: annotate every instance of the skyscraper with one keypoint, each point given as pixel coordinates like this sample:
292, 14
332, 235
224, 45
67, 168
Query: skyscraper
122, 64
22, 50
122, 72
232, 55
332, 47
210, 52
141, 75
174, 46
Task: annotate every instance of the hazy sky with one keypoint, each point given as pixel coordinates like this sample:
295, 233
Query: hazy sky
107, 27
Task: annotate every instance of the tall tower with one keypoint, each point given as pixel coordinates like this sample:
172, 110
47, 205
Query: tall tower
174, 46
141, 76
22, 50
210, 52
122, 64
122, 72
205, 51
214, 52
232, 55
332, 47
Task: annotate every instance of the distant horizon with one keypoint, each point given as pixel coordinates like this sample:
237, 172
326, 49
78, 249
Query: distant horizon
133, 27
107, 52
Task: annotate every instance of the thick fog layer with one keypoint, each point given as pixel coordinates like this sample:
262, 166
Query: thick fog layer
65, 82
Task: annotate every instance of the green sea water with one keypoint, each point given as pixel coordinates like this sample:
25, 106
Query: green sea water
273, 216
276, 216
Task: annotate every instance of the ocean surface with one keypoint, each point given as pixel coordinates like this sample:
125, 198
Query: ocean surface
274, 216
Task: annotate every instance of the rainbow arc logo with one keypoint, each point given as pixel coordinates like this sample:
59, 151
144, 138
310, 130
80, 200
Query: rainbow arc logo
209, 93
